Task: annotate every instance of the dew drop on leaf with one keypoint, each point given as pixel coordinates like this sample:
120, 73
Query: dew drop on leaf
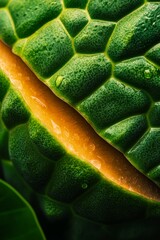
147, 73
59, 80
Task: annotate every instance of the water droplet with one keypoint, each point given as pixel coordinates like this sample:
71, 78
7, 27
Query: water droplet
130, 188
39, 101
70, 148
147, 73
146, 17
59, 80
96, 163
56, 128
120, 179
84, 185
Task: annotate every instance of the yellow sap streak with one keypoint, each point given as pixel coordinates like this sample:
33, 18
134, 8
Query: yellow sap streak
71, 129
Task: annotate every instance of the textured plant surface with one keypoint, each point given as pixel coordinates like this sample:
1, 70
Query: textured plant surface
101, 57
62, 188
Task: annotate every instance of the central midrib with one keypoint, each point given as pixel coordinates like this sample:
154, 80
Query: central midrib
71, 130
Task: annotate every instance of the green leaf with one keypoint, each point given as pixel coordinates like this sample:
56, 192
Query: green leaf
17, 219
11, 176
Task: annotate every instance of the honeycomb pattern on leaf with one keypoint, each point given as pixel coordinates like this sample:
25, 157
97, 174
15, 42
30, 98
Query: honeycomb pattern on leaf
93, 38
76, 87
29, 15
102, 57
113, 102
111, 10
136, 33
74, 20
147, 75
50, 55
